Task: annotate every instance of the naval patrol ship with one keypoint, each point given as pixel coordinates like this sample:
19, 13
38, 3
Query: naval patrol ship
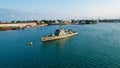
59, 34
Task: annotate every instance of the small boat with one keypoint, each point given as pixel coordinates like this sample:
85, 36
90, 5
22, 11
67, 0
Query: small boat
59, 34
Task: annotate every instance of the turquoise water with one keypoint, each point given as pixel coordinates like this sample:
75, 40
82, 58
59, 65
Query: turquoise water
96, 46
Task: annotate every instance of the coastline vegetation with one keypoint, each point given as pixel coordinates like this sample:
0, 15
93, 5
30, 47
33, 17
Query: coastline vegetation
37, 23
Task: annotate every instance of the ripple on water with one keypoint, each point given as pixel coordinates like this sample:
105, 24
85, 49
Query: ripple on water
96, 46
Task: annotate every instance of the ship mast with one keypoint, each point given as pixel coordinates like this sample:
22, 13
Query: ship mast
60, 24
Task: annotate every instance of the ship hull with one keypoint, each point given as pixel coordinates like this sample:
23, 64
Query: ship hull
57, 37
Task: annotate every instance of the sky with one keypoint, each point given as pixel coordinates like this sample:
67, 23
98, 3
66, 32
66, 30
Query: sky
66, 9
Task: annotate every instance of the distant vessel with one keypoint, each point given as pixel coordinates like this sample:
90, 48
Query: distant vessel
59, 34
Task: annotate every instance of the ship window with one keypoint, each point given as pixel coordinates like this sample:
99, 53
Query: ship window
57, 32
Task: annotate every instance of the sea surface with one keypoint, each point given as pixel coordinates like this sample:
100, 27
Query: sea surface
96, 46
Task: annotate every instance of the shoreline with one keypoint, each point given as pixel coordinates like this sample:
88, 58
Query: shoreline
18, 26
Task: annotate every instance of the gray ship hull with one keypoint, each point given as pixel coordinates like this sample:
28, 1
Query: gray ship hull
58, 37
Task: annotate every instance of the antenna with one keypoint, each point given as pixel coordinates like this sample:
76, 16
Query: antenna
60, 24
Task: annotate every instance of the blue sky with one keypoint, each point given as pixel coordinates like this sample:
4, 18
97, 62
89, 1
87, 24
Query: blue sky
66, 9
